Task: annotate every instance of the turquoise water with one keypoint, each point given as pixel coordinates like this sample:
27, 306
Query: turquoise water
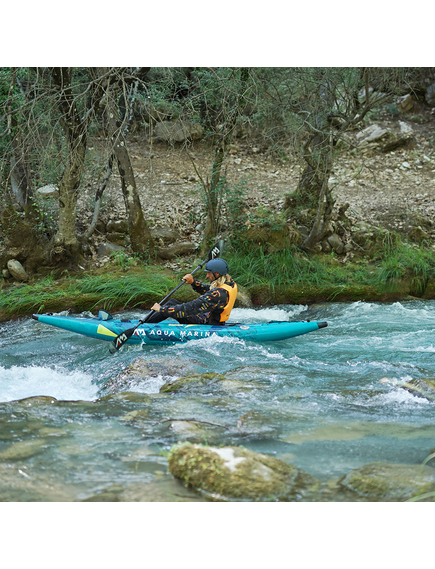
314, 401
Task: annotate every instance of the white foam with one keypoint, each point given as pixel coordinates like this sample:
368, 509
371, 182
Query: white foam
19, 382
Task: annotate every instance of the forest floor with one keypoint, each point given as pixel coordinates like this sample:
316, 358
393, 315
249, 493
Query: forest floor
383, 189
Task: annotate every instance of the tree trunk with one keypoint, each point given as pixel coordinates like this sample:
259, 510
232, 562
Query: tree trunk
140, 235
65, 246
213, 195
313, 188
21, 180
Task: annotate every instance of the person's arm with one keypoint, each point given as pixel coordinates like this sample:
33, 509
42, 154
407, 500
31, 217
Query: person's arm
203, 304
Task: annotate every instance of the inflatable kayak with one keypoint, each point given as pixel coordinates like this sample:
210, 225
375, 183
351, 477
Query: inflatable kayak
105, 327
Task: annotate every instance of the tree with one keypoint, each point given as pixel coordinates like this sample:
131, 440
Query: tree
315, 107
111, 84
221, 96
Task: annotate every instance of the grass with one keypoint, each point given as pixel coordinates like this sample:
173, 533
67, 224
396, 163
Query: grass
114, 290
399, 268
291, 267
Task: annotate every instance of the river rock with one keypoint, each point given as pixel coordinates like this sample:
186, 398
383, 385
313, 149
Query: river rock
389, 482
423, 387
253, 422
194, 383
17, 270
23, 449
178, 131
243, 299
236, 473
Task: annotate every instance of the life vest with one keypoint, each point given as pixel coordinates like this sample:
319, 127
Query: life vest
232, 292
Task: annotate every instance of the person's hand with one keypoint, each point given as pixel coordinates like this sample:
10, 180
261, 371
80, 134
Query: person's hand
155, 307
188, 278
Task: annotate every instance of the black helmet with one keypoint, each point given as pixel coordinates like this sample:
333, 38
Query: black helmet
217, 266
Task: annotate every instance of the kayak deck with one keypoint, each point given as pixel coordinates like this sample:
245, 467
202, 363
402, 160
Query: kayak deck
108, 328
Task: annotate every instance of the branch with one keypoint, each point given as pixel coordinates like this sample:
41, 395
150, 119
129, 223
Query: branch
9, 104
85, 236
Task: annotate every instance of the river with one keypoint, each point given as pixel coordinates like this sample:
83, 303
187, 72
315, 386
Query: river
75, 427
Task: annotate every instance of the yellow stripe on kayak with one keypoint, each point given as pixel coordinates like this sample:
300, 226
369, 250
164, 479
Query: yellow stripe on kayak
105, 331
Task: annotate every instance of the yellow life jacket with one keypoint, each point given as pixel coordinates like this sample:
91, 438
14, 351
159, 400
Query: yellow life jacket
232, 291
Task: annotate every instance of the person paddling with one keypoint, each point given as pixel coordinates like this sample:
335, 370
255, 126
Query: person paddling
214, 305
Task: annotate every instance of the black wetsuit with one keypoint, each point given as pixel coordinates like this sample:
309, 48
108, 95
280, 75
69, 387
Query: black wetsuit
205, 309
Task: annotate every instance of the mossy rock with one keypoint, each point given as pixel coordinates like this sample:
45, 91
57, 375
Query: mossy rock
423, 387
236, 473
193, 383
383, 482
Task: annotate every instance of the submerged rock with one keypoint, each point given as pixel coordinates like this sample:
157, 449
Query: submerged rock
23, 449
194, 382
253, 422
423, 387
238, 473
389, 482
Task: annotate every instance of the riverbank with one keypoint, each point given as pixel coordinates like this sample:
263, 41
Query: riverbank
136, 285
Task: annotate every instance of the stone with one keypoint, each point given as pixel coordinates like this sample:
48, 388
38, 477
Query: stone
23, 450
389, 482
372, 133
164, 235
336, 243
106, 249
243, 299
176, 250
6, 274
178, 131
17, 271
117, 226
430, 95
405, 103
49, 191
236, 473
193, 383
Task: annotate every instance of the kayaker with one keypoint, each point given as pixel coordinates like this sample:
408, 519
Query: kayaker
212, 307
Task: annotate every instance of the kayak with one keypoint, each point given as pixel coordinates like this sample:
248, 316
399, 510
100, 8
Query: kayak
105, 327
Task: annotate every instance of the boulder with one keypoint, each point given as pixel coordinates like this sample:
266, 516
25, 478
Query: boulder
49, 191
243, 299
430, 95
422, 387
372, 133
164, 235
178, 131
106, 249
236, 473
336, 243
176, 250
405, 103
193, 383
117, 226
17, 270
389, 482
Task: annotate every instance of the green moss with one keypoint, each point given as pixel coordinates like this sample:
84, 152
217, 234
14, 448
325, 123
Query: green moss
252, 476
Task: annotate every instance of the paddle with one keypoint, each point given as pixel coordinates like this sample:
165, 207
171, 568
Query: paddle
120, 340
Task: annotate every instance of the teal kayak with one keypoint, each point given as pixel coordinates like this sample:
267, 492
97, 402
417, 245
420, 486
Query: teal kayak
105, 327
